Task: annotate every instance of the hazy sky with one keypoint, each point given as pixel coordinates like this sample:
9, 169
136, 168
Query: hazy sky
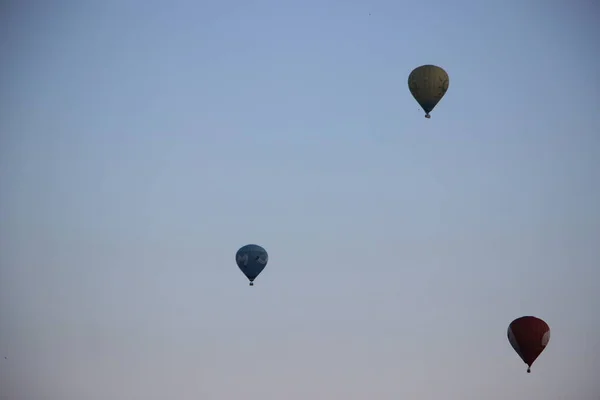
143, 142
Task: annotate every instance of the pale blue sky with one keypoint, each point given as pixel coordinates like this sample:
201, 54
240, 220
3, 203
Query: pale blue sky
143, 142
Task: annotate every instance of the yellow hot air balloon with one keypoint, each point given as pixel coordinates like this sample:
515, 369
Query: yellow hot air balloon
428, 84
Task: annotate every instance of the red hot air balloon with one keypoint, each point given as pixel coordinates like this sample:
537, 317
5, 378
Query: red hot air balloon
529, 336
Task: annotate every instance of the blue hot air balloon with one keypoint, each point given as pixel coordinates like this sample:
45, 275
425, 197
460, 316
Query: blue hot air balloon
251, 259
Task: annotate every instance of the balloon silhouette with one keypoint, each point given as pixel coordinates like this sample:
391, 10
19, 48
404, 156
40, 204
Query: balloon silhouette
528, 336
428, 84
251, 259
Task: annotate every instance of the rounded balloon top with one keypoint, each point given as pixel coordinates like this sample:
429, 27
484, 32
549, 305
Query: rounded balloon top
251, 260
251, 247
428, 84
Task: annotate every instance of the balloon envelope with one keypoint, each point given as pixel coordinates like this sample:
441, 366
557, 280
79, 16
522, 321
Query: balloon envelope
528, 336
428, 84
251, 259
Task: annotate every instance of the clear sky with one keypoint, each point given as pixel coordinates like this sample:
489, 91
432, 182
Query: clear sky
143, 142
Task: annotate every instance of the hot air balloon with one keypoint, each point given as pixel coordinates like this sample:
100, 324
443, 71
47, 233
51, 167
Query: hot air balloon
428, 84
251, 259
528, 336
